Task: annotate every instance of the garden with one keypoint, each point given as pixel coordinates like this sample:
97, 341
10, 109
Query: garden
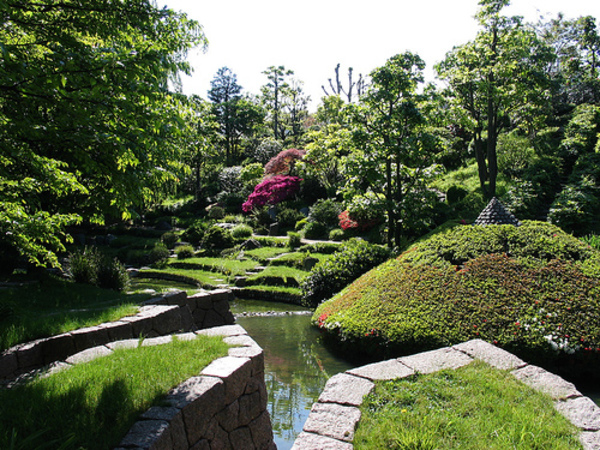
116, 187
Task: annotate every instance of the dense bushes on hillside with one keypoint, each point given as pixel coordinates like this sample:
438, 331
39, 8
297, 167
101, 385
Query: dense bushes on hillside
532, 290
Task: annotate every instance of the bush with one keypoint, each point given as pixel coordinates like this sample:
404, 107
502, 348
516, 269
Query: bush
326, 248
91, 267
241, 231
216, 213
169, 239
455, 194
158, 256
325, 212
195, 232
184, 252
315, 230
288, 217
333, 274
533, 290
216, 239
336, 235
300, 224
112, 274
83, 265
294, 240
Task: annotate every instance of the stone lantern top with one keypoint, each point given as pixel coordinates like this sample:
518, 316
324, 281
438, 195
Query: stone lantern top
496, 214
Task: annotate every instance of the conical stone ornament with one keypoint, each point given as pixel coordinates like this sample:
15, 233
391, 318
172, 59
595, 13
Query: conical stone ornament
496, 214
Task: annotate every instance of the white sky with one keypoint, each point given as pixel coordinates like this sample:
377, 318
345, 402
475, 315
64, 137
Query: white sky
311, 36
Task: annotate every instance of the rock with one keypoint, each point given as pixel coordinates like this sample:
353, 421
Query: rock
309, 262
163, 226
251, 244
274, 229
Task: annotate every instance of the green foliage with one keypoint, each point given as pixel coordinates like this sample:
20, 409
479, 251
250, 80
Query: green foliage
83, 265
184, 252
336, 234
532, 239
416, 413
216, 213
288, 217
327, 248
300, 224
158, 256
241, 231
98, 402
315, 230
294, 240
111, 274
325, 212
541, 302
169, 239
88, 111
331, 275
216, 239
455, 194
195, 232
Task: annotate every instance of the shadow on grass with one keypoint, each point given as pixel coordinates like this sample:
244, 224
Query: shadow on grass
34, 417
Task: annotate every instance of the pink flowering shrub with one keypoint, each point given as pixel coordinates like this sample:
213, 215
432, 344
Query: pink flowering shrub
271, 191
284, 161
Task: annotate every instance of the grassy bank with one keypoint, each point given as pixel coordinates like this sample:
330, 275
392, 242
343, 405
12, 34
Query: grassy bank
93, 405
55, 306
472, 407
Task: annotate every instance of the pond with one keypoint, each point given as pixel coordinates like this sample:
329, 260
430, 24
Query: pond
297, 366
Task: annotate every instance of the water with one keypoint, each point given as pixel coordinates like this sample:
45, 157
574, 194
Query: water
297, 367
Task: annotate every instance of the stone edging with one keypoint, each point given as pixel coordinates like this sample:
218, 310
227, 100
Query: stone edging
170, 313
333, 419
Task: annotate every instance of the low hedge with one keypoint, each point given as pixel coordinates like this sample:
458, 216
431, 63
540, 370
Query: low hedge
545, 310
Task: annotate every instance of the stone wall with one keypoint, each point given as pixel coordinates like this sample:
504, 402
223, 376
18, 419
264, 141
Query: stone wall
170, 313
225, 407
333, 419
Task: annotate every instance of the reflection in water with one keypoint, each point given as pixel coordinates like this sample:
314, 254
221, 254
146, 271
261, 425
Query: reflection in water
297, 367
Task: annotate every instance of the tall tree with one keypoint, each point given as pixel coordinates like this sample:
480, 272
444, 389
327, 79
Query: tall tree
89, 125
394, 158
273, 93
296, 106
499, 77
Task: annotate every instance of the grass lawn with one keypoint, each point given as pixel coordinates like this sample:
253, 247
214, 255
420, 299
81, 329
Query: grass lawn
93, 405
473, 407
205, 278
282, 272
55, 306
223, 265
264, 253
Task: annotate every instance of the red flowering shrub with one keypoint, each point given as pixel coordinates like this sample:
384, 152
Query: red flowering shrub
347, 222
271, 191
284, 161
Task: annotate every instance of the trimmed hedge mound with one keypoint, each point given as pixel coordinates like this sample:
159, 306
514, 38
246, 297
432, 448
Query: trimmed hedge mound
544, 309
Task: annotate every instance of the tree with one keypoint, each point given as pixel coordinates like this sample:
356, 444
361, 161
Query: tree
89, 124
272, 95
393, 159
498, 78
238, 116
338, 89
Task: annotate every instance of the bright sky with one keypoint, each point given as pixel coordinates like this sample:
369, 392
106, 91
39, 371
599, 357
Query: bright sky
311, 37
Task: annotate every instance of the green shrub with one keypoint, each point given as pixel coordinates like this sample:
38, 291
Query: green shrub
112, 274
216, 213
169, 239
592, 240
455, 194
241, 231
184, 252
83, 265
336, 234
325, 212
334, 273
216, 239
288, 217
300, 224
158, 256
315, 230
533, 290
89, 266
294, 240
195, 232
326, 248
